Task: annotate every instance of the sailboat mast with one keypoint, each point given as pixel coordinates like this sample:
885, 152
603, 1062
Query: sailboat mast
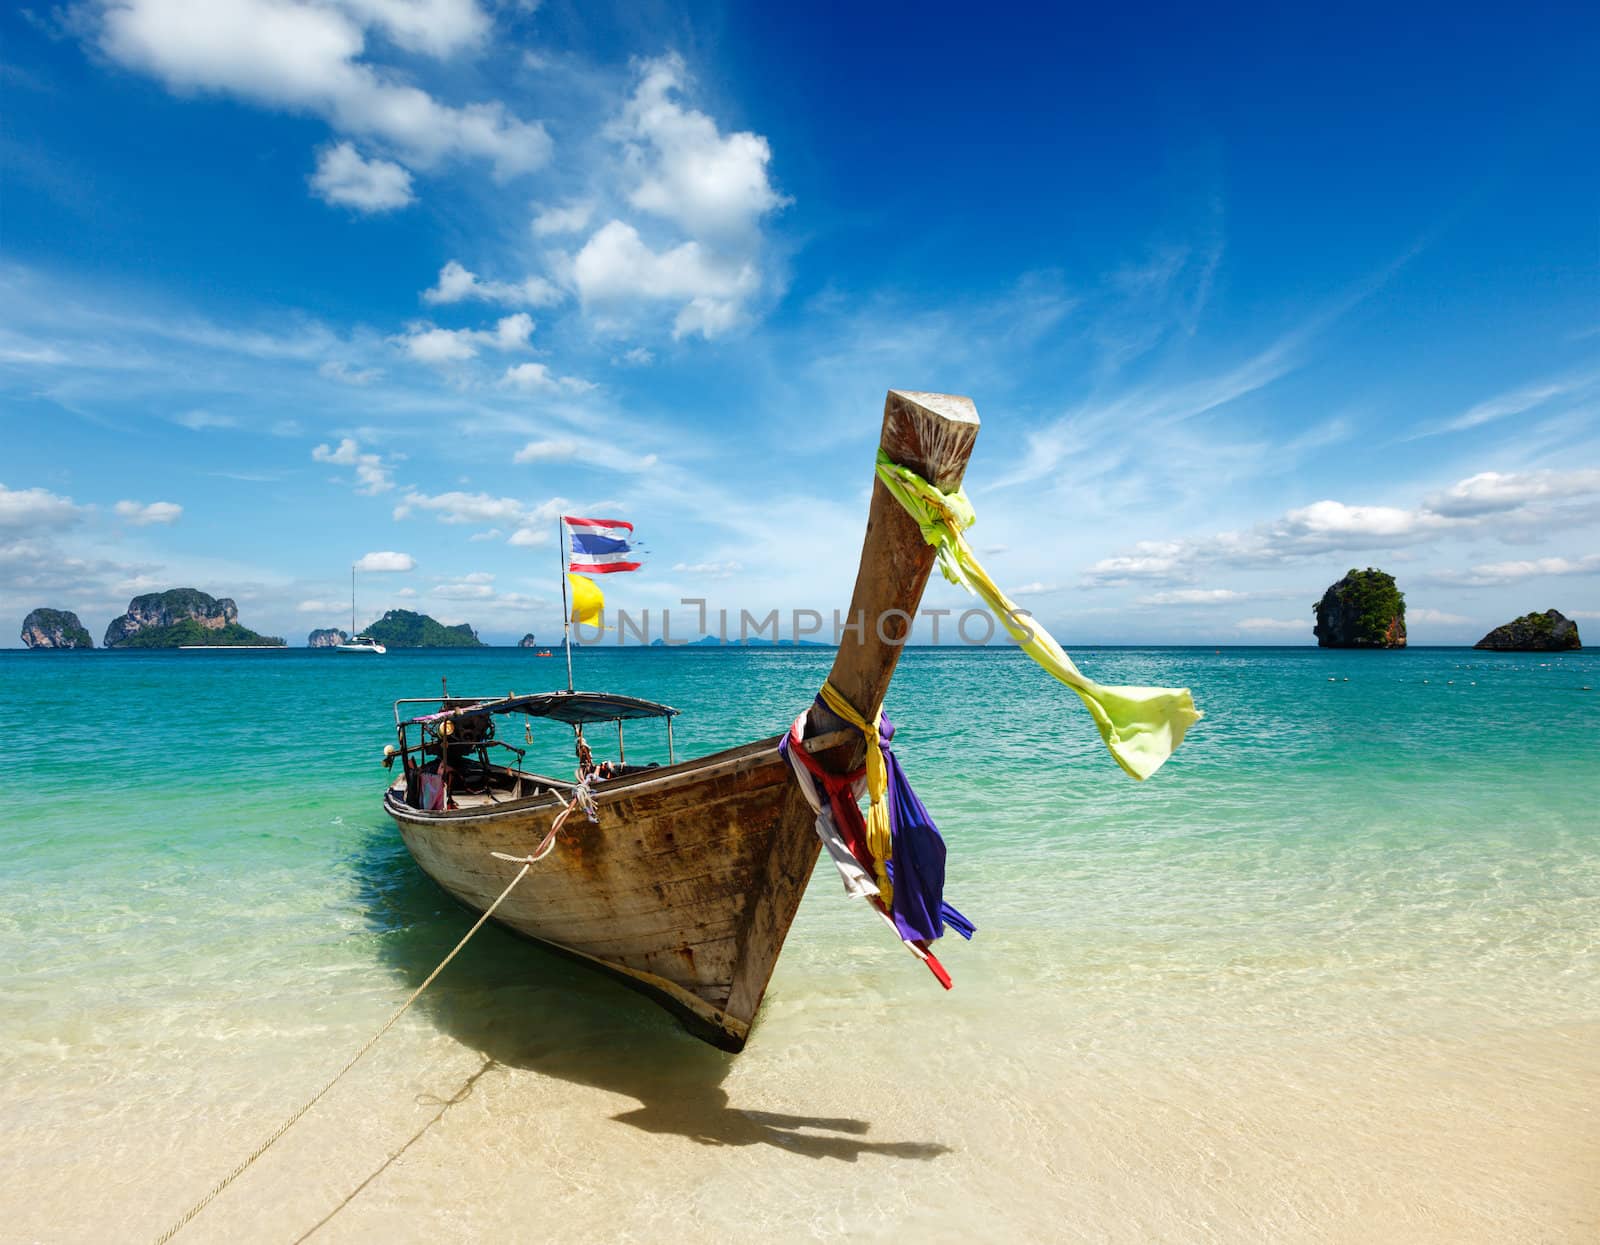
352, 601
566, 614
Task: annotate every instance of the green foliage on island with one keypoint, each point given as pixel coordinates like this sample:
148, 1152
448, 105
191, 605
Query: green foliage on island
408, 629
189, 631
1363, 610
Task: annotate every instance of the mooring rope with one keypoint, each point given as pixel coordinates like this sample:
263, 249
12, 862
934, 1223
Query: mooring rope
582, 798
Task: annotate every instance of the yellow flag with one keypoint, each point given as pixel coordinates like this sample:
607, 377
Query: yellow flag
587, 601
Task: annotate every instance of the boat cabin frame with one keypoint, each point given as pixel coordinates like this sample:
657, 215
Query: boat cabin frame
453, 742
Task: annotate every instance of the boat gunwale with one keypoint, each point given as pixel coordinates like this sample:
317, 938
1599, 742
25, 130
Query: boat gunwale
696, 769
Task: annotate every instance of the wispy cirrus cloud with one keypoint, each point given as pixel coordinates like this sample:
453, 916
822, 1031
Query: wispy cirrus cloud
1518, 401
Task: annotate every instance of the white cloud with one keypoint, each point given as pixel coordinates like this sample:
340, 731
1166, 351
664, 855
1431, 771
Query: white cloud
1426, 615
1150, 559
690, 173
142, 514
35, 508
569, 219
386, 561
546, 451
616, 267
458, 507
1035, 589
1491, 492
372, 477
435, 27
637, 357
1194, 596
428, 344
593, 454
1301, 625
1499, 501
1495, 573
533, 377
477, 586
318, 607
333, 369
344, 177
528, 537
457, 284
303, 57
710, 570
198, 421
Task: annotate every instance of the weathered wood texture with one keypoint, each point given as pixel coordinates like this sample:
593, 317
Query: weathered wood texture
933, 434
689, 882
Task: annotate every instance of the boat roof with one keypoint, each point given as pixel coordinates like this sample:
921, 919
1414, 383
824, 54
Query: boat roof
573, 708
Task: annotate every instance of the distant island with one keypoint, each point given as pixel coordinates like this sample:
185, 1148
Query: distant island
1363, 610
1549, 632
528, 641
183, 616
327, 637
49, 628
407, 629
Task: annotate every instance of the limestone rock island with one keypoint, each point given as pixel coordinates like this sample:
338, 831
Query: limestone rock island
1549, 632
1362, 610
407, 629
328, 637
48, 628
528, 641
182, 616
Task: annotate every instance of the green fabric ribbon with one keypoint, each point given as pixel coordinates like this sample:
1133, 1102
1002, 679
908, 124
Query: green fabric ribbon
1142, 726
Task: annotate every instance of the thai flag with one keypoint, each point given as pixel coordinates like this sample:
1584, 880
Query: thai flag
599, 546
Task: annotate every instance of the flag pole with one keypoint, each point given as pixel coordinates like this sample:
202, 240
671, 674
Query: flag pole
566, 613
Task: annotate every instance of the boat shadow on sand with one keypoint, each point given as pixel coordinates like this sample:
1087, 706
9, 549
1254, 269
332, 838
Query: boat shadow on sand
525, 1007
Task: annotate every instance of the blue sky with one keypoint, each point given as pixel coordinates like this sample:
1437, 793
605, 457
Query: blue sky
1244, 299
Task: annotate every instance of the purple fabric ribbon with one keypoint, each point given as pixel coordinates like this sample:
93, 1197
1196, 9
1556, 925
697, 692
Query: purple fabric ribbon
917, 865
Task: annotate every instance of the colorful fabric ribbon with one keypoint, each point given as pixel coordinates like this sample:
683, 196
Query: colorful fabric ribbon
918, 913
1142, 726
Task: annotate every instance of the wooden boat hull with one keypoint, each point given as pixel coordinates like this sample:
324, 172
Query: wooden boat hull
688, 883
662, 890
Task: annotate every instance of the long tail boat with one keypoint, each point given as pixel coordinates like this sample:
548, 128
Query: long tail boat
687, 879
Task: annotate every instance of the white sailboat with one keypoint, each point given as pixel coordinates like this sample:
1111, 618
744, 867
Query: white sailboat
357, 643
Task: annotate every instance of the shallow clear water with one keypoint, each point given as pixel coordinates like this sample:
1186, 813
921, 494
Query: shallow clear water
1334, 973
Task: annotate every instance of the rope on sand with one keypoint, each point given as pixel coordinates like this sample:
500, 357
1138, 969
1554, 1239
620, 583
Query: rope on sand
582, 799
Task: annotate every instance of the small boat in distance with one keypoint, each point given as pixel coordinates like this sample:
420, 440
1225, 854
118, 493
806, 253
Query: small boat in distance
686, 876
357, 643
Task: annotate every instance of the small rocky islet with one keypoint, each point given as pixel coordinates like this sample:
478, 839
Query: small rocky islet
1365, 609
1548, 632
53, 628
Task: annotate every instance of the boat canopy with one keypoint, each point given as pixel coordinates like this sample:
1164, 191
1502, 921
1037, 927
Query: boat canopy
573, 708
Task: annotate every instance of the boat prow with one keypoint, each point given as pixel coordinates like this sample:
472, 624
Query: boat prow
687, 879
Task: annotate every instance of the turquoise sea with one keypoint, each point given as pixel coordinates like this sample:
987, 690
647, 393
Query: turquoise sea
1332, 974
